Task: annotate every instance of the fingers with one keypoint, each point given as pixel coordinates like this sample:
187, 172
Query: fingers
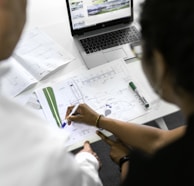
69, 109
87, 146
71, 112
105, 138
74, 109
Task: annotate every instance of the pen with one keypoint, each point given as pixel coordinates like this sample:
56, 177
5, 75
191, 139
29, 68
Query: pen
143, 100
63, 124
73, 110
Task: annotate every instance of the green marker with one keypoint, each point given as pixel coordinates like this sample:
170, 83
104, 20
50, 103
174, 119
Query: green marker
143, 100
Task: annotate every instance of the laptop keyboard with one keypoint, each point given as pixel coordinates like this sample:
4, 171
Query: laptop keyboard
111, 39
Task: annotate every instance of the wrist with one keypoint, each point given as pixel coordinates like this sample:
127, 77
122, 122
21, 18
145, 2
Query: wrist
97, 122
124, 160
124, 170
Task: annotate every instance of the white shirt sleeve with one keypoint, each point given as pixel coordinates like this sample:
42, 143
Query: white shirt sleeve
34, 154
90, 165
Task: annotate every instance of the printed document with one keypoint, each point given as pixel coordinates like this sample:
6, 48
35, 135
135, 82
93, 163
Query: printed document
35, 57
104, 88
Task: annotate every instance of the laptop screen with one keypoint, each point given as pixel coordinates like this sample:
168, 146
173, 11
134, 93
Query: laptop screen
91, 14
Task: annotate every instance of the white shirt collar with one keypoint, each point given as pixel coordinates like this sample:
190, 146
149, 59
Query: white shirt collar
5, 66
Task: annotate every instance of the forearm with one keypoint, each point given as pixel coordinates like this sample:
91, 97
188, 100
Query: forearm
145, 138
148, 139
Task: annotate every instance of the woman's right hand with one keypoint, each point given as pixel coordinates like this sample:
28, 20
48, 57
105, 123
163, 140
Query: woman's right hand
83, 114
117, 148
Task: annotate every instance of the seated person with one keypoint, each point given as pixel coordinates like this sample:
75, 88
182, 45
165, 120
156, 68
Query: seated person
158, 157
31, 152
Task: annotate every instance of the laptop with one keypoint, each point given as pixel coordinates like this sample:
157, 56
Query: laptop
102, 29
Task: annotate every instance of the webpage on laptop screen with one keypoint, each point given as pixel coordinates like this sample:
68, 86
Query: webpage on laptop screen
85, 13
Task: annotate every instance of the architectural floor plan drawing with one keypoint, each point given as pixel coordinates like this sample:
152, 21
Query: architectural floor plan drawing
104, 88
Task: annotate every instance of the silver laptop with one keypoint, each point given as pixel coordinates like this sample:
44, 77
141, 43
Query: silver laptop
102, 29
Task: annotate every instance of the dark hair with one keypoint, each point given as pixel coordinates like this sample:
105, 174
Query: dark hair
168, 26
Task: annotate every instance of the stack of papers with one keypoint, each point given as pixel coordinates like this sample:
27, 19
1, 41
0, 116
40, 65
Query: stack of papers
104, 88
35, 57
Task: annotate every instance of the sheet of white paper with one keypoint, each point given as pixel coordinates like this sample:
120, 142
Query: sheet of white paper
35, 57
16, 79
105, 88
39, 54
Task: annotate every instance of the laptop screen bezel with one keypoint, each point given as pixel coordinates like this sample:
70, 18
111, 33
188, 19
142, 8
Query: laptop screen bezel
81, 31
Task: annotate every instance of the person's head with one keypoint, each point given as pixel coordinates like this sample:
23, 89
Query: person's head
167, 28
12, 19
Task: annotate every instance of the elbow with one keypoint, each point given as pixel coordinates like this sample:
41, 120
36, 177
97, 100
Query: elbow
157, 142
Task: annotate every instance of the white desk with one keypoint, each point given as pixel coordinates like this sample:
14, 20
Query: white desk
51, 16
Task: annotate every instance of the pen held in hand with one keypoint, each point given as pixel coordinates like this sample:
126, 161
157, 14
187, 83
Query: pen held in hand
64, 124
73, 110
143, 100
71, 113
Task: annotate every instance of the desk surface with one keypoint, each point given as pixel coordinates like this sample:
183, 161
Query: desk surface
51, 16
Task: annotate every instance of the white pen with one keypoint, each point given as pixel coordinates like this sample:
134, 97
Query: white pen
73, 110
63, 124
134, 88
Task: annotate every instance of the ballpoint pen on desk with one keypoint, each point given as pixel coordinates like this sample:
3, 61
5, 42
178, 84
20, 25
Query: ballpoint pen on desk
71, 113
143, 100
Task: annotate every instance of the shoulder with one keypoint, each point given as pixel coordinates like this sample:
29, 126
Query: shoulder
31, 150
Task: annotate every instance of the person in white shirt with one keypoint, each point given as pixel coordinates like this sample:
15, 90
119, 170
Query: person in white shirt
31, 152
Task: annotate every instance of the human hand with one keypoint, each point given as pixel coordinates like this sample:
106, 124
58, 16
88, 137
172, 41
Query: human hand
117, 148
83, 114
88, 148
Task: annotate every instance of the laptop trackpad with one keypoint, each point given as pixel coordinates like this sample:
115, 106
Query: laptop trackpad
115, 54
